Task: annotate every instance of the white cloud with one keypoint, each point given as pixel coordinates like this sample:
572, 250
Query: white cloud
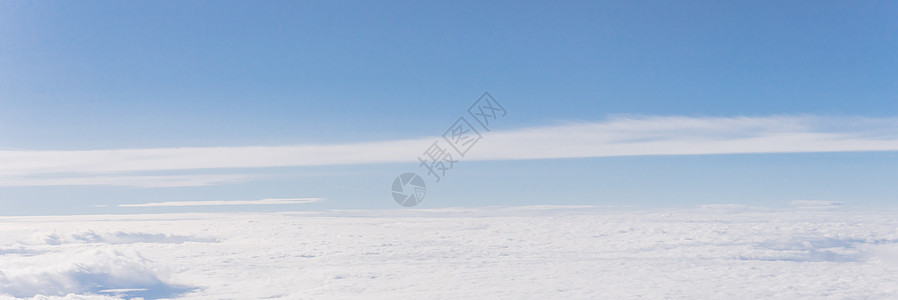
545, 252
622, 136
129, 180
115, 237
84, 271
815, 204
220, 203
693, 136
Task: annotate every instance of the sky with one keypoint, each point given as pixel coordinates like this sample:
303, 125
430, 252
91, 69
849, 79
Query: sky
115, 107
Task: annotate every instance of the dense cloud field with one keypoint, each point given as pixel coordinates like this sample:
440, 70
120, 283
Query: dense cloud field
723, 251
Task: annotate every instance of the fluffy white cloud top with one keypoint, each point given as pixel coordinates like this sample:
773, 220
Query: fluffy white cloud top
714, 251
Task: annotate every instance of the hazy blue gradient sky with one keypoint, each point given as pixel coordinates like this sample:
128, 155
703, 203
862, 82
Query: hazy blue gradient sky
105, 75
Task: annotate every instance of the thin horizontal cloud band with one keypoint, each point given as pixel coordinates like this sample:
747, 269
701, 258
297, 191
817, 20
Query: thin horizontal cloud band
616, 137
272, 201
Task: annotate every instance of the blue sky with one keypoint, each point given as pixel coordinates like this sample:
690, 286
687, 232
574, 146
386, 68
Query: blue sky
108, 75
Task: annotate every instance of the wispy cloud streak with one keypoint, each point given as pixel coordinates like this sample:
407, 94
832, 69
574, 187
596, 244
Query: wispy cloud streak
275, 201
694, 136
621, 136
144, 181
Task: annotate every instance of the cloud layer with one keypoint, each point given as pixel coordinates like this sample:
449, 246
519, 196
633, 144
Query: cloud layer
544, 252
622, 136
